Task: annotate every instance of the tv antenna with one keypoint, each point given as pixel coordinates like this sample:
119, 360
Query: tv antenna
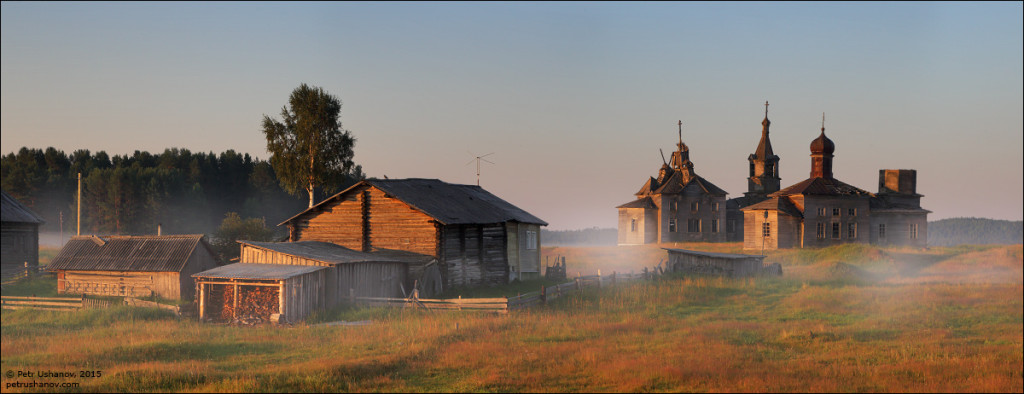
478, 159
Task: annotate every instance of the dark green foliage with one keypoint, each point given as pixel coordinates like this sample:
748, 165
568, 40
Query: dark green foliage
958, 231
308, 147
233, 229
184, 192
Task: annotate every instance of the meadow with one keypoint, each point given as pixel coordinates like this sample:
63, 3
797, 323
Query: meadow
851, 318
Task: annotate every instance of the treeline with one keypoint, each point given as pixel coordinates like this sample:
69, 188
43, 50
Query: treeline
590, 236
957, 231
185, 192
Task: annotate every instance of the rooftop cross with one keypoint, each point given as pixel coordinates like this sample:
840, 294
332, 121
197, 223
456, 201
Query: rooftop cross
766, 109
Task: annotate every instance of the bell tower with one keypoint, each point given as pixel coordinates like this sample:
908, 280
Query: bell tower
764, 165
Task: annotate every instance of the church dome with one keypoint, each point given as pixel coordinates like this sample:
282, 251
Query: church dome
822, 144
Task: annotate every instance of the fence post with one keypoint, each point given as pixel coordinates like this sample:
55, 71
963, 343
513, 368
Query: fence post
579, 285
543, 295
599, 278
613, 278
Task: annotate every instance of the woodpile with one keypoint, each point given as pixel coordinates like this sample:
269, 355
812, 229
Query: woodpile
255, 303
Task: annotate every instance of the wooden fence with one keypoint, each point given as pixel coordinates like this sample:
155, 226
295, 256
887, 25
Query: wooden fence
502, 304
44, 303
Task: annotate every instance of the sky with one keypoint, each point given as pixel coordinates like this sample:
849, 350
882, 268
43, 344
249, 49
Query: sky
570, 101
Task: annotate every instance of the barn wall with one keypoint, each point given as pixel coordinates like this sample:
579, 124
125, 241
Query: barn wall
339, 221
305, 294
122, 283
394, 224
200, 260
20, 244
475, 254
710, 265
371, 280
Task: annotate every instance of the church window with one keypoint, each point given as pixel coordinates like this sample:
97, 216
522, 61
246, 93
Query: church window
675, 205
693, 225
835, 211
714, 207
693, 206
766, 229
714, 225
835, 231
881, 230
851, 230
913, 231
821, 211
671, 225
821, 230
852, 212
751, 168
632, 225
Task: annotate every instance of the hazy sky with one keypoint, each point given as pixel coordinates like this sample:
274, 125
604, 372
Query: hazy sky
573, 99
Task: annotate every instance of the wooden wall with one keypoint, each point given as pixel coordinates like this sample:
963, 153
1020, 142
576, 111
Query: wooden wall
304, 294
475, 255
124, 283
710, 265
367, 218
371, 280
20, 245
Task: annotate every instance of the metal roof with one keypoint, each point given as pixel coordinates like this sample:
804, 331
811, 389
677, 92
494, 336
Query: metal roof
12, 211
167, 253
337, 254
822, 186
447, 203
258, 271
645, 203
716, 255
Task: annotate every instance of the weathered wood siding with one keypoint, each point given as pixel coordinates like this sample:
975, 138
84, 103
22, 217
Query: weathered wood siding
475, 255
368, 218
710, 265
529, 258
200, 260
861, 218
124, 283
898, 228
20, 245
252, 254
646, 226
305, 294
372, 280
705, 213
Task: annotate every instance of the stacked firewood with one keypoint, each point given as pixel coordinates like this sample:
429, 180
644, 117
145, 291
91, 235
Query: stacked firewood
257, 302
221, 305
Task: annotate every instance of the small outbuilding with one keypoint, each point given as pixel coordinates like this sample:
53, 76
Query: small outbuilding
20, 234
720, 264
293, 279
136, 266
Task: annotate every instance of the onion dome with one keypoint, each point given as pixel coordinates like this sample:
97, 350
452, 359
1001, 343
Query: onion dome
823, 145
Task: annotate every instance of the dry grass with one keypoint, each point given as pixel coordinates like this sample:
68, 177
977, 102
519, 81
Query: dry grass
797, 333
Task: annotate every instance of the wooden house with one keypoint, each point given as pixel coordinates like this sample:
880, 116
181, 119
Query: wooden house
132, 265
718, 264
476, 237
20, 235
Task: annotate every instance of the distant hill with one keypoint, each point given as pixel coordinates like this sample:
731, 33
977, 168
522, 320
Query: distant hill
590, 236
957, 231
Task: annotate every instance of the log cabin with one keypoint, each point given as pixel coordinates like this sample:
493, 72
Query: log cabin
476, 237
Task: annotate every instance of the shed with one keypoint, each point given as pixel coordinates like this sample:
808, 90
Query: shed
721, 264
132, 265
378, 273
477, 238
20, 234
244, 291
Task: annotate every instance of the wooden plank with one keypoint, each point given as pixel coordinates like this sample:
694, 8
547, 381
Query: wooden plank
42, 303
41, 309
41, 298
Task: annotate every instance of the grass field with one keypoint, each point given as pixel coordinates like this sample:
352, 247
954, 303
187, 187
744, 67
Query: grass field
850, 318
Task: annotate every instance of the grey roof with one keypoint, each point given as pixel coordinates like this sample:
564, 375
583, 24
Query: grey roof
337, 254
645, 203
716, 255
777, 203
12, 211
447, 203
167, 253
258, 271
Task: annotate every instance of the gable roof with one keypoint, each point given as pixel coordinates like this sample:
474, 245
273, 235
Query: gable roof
777, 203
337, 254
447, 203
12, 211
167, 253
258, 271
822, 186
645, 203
674, 185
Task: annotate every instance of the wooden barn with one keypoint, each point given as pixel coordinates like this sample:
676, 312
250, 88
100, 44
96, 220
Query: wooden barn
476, 237
135, 266
301, 277
20, 235
718, 264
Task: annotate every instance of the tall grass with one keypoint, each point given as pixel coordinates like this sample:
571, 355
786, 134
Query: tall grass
675, 334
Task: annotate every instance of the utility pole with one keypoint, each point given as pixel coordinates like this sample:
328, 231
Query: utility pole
79, 231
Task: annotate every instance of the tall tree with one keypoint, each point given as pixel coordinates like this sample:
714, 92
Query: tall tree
308, 147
